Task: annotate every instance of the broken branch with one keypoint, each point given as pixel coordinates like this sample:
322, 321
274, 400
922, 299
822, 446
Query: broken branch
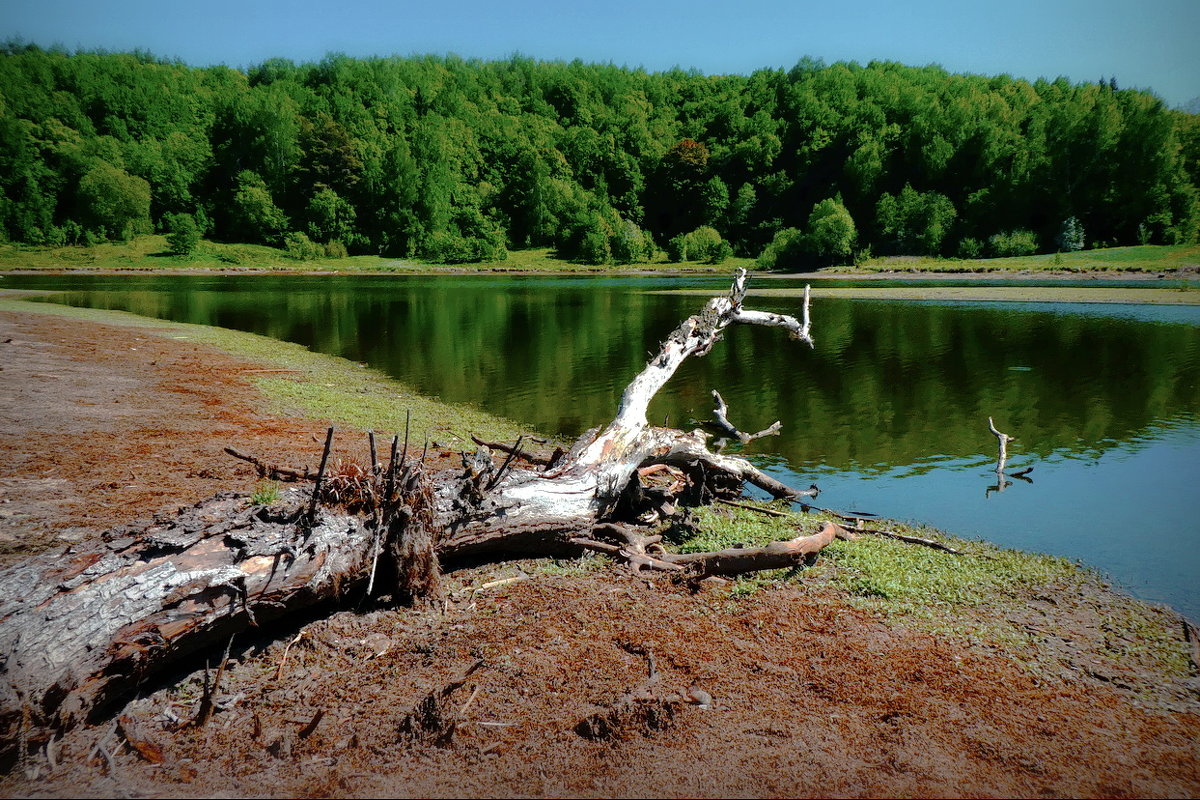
721, 421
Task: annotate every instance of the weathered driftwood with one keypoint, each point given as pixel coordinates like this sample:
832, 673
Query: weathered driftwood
84, 627
645, 552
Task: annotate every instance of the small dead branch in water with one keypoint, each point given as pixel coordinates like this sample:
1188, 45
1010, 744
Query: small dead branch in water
1002, 482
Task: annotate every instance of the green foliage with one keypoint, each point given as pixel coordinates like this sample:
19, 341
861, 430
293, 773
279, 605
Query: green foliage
255, 216
455, 160
266, 493
594, 246
831, 234
703, 244
969, 247
301, 248
329, 216
787, 250
452, 247
1070, 235
112, 200
629, 244
914, 223
183, 235
1012, 243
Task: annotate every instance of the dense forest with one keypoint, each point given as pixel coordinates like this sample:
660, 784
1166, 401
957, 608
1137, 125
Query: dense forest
459, 160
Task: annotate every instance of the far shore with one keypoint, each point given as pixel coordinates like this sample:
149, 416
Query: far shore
148, 255
642, 271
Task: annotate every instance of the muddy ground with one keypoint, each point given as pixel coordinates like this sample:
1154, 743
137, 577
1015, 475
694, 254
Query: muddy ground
789, 692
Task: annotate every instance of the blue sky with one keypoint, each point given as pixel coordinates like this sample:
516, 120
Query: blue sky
1144, 43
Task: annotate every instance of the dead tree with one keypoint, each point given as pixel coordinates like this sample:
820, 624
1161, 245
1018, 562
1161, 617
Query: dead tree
583, 487
82, 628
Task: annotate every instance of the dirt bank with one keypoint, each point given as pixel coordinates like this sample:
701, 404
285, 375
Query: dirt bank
102, 424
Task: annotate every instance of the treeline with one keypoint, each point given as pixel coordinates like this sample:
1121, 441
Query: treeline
458, 160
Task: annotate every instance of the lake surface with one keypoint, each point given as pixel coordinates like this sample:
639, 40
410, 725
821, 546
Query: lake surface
888, 414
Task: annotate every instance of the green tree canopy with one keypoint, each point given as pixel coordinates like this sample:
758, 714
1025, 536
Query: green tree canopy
113, 201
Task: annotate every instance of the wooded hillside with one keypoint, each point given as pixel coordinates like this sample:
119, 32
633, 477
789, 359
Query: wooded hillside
458, 160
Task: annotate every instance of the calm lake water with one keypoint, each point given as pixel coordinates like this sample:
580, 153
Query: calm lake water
888, 414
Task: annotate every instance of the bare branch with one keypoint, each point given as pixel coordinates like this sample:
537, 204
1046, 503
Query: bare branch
721, 421
799, 330
1002, 440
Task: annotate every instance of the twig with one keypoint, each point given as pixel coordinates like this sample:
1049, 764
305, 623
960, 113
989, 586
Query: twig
100, 748
207, 704
524, 455
308, 729
770, 512
312, 506
863, 516
286, 649
508, 461
390, 485
375, 548
936, 545
374, 458
502, 582
270, 470
1192, 637
721, 421
407, 420
463, 709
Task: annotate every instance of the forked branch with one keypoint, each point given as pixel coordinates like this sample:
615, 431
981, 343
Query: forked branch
721, 421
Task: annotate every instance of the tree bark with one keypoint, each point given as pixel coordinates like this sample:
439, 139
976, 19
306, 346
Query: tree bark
81, 627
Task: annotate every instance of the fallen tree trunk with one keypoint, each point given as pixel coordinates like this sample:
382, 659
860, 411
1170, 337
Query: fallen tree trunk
82, 627
85, 627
